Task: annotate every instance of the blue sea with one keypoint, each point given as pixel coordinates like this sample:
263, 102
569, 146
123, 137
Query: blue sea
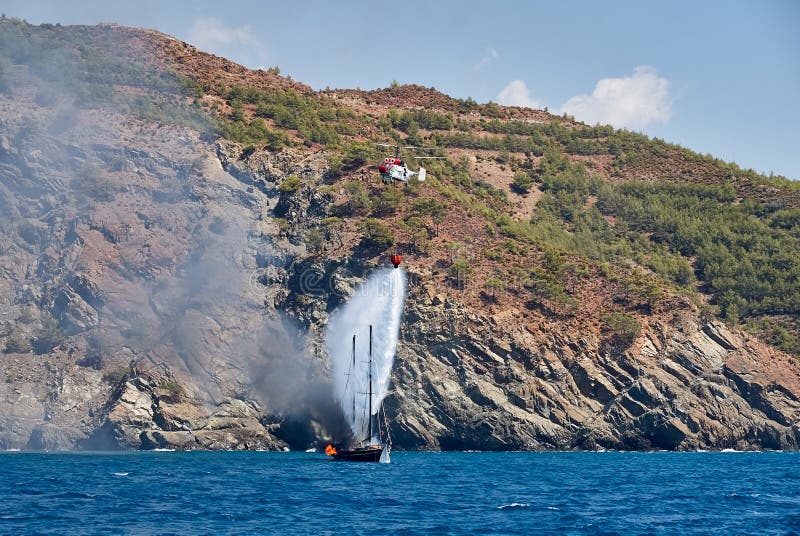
418, 493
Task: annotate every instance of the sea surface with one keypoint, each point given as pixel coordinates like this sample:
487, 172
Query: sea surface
418, 493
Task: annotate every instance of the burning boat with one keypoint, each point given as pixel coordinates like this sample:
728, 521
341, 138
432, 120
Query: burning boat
376, 444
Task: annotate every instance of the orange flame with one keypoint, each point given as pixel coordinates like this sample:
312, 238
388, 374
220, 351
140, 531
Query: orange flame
330, 450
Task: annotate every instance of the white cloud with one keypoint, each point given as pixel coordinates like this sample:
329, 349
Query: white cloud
238, 43
516, 93
491, 55
631, 102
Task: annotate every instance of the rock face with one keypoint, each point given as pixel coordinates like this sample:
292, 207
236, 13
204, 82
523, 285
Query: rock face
47, 404
129, 261
467, 381
142, 414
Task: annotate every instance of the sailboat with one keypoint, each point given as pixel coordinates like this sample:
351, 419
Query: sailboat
369, 449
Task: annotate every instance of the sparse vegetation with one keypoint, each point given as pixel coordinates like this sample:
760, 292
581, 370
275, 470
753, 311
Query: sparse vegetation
314, 240
623, 328
460, 270
254, 131
522, 182
117, 376
775, 332
388, 202
48, 336
493, 285
172, 390
376, 234
88, 65
358, 154
357, 197
432, 208
290, 184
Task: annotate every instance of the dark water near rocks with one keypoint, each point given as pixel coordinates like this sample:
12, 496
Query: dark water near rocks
418, 493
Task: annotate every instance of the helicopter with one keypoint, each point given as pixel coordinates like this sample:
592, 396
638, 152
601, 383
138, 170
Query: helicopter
394, 169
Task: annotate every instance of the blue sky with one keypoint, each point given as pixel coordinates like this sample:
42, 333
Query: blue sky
721, 77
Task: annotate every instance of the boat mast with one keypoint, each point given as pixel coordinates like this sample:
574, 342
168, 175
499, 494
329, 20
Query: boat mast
369, 414
353, 369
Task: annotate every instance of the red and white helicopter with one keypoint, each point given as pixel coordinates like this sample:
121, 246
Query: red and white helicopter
394, 169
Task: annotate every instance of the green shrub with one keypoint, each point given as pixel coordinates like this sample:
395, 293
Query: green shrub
358, 154
460, 270
388, 202
357, 197
787, 219
775, 333
376, 234
254, 132
623, 328
432, 208
749, 264
335, 165
173, 390
493, 285
290, 184
420, 118
314, 240
117, 376
283, 225
522, 182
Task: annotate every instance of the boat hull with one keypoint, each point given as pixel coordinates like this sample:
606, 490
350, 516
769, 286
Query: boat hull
368, 454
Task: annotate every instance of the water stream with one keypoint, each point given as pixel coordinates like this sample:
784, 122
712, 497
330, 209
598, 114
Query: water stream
378, 302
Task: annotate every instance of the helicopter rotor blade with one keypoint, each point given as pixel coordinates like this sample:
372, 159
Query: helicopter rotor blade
406, 147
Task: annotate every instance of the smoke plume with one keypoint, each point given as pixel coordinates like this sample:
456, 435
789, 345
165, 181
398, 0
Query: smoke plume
126, 235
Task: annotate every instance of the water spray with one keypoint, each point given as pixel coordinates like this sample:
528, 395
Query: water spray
377, 302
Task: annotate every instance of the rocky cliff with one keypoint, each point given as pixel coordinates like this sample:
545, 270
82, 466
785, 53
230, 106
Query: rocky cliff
164, 287
466, 380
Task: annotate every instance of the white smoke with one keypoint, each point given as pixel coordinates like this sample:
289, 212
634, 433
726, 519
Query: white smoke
378, 303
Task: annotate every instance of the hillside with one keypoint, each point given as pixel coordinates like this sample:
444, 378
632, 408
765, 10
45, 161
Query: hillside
177, 228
